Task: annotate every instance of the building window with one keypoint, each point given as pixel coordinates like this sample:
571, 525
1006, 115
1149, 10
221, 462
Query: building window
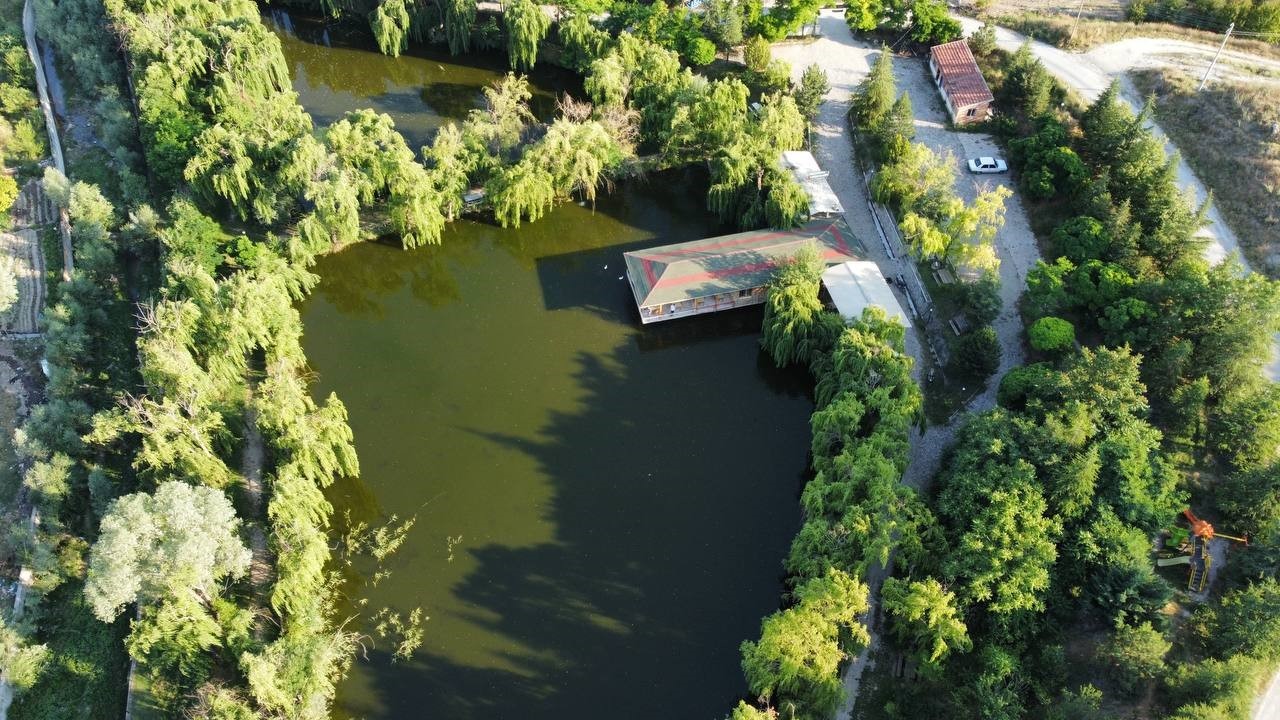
744, 293
971, 112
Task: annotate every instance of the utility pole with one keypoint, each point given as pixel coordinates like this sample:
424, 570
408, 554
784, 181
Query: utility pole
1076, 24
1205, 79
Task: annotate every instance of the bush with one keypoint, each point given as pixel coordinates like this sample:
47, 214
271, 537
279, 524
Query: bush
976, 355
8, 192
981, 300
700, 51
983, 40
1052, 334
1137, 653
777, 76
757, 54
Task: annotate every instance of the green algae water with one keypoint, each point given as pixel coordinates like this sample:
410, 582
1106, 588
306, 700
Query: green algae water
601, 509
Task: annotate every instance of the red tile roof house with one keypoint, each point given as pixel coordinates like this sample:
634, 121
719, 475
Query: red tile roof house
963, 88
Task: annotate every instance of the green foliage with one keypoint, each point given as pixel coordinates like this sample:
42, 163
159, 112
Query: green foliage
932, 24
925, 617
389, 22
459, 19
813, 88
792, 308
526, 25
757, 55
980, 300
983, 40
155, 547
873, 98
1052, 334
864, 15
723, 21
976, 354
1137, 654
1247, 622
795, 663
8, 192
700, 51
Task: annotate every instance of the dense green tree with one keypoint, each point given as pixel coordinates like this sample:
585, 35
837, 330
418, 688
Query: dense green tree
925, 617
813, 88
179, 541
757, 54
723, 20
873, 98
864, 15
1137, 654
794, 666
976, 354
932, 23
792, 308
1247, 621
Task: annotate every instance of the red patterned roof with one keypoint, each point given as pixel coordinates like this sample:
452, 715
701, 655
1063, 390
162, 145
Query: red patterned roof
702, 268
961, 77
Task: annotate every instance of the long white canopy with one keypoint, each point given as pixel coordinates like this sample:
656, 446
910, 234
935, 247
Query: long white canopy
857, 285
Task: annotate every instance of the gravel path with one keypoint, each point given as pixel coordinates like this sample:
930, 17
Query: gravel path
846, 62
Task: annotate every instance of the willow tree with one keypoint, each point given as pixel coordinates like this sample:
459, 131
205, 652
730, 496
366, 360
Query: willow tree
390, 24
579, 156
792, 307
787, 202
414, 206
505, 115
448, 162
608, 81
527, 190
382, 168
526, 25
459, 18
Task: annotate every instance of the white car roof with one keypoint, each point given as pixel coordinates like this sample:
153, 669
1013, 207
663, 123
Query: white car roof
987, 160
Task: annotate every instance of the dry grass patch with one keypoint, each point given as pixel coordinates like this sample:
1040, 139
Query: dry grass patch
1230, 135
1056, 30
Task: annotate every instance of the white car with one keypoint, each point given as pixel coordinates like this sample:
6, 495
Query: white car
987, 165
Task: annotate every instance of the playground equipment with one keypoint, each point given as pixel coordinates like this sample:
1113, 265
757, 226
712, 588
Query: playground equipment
1199, 535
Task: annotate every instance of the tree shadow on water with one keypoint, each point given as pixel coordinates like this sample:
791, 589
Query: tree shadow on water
673, 502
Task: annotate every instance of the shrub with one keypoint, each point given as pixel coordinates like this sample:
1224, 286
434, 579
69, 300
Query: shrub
700, 51
1137, 653
1052, 334
757, 54
981, 300
983, 40
976, 354
8, 192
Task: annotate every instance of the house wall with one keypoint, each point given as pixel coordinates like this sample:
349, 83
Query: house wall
702, 305
962, 116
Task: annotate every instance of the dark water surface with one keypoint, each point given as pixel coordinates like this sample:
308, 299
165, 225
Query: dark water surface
602, 509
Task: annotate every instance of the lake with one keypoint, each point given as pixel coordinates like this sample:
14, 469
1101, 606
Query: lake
602, 509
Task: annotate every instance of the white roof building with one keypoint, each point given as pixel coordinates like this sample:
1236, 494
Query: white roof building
857, 285
823, 202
